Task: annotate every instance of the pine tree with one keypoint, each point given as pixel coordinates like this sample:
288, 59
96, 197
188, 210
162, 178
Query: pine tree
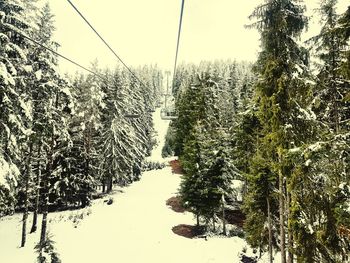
117, 140
323, 163
31, 82
191, 184
190, 110
15, 109
42, 64
332, 87
282, 93
260, 204
205, 157
47, 253
81, 158
50, 97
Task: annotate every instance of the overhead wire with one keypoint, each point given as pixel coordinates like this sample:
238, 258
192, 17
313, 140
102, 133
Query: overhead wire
105, 42
73, 62
61, 56
108, 46
178, 41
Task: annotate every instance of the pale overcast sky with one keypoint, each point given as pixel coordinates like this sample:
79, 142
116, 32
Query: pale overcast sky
145, 31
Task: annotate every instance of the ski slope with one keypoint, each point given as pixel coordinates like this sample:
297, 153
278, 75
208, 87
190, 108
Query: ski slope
135, 228
161, 127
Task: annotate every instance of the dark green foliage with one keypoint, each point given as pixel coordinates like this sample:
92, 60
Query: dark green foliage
281, 131
190, 108
319, 207
169, 143
7, 201
332, 48
191, 183
245, 138
324, 167
261, 188
217, 180
203, 143
281, 96
293, 143
46, 251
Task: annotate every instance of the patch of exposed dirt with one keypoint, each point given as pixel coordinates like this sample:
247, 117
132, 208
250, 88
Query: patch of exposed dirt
176, 167
175, 204
246, 259
189, 231
235, 217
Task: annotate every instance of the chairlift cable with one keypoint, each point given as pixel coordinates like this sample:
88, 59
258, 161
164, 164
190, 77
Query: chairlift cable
62, 56
104, 41
178, 41
165, 114
73, 62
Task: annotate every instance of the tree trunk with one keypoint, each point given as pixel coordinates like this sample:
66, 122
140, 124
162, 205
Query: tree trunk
245, 189
37, 197
45, 209
290, 258
28, 174
197, 216
333, 86
281, 211
245, 186
46, 193
223, 215
223, 222
110, 184
270, 229
44, 222
24, 225
213, 218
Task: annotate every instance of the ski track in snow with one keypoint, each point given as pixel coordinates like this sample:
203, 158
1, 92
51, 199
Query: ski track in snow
136, 228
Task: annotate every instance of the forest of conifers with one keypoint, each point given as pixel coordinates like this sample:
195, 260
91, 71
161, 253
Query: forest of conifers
281, 125
61, 137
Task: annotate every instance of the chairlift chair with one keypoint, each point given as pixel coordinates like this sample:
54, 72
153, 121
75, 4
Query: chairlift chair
167, 114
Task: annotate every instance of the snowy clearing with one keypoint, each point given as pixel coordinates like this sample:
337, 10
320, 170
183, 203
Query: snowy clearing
136, 227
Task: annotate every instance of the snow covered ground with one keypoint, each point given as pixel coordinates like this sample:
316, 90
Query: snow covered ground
161, 126
136, 228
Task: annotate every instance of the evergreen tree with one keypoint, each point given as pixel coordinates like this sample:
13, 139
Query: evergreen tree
116, 137
282, 93
15, 108
47, 253
190, 109
332, 86
205, 156
260, 204
35, 56
50, 96
324, 163
42, 64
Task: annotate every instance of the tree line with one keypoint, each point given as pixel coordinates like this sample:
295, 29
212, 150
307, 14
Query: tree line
281, 126
63, 136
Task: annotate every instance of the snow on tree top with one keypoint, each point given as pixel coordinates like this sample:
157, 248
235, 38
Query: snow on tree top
5, 75
8, 173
